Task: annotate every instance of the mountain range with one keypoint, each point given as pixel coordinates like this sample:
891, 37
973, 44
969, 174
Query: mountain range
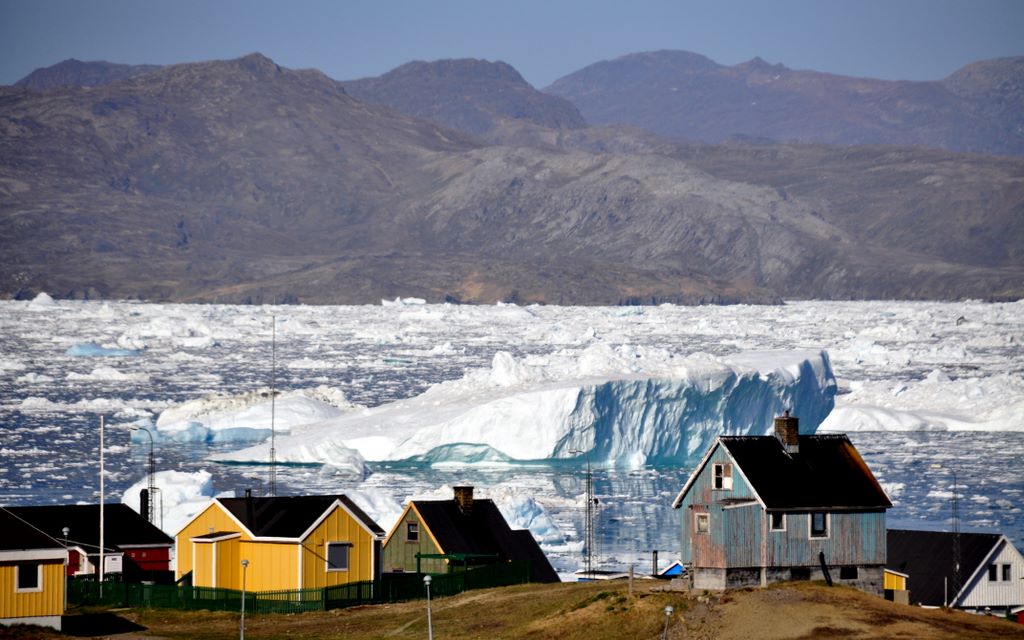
242, 181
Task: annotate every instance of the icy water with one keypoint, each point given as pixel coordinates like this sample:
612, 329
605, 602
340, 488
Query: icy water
962, 360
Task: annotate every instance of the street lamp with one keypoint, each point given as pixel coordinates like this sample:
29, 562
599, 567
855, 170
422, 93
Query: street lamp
67, 561
668, 616
430, 623
241, 629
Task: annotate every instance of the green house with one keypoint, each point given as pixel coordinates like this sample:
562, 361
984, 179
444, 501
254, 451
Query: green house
442, 536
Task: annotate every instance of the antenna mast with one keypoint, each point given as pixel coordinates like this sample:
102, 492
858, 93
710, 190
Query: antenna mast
956, 540
273, 398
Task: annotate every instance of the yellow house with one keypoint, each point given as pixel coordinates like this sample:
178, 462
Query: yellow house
895, 580
294, 542
31, 574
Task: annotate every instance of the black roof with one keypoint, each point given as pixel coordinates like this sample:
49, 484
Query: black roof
19, 535
827, 472
927, 559
123, 526
289, 516
482, 530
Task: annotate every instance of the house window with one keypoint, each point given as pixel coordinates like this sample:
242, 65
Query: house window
848, 573
993, 573
778, 521
702, 522
337, 556
1006, 573
30, 577
819, 525
723, 476
412, 531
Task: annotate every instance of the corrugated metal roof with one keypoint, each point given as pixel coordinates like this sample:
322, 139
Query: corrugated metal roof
827, 473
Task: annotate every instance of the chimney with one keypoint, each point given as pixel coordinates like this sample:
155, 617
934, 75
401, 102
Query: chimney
464, 497
144, 503
787, 430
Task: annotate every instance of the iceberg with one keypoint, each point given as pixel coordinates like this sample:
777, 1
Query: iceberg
622, 407
246, 417
91, 349
180, 495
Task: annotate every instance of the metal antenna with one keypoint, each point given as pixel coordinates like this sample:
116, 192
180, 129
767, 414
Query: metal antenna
956, 539
273, 398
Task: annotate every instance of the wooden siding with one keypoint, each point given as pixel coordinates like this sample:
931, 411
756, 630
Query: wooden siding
337, 527
981, 592
273, 566
213, 518
400, 553
894, 581
853, 539
706, 550
32, 604
740, 533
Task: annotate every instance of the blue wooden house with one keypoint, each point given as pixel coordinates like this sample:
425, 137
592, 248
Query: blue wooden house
765, 509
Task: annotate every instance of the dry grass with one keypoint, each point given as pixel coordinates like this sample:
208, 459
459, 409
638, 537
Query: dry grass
585, 612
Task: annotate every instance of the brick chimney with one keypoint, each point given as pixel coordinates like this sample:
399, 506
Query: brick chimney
464, 498
787, 430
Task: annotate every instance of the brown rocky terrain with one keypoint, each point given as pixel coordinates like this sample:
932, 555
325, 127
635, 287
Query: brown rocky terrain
240, 180
678, 94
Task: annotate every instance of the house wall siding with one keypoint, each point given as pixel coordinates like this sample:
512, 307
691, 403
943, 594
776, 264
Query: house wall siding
706, 550
273, 566
47, 602
213, 518
338, 527
400, 553
981, 592
854, 539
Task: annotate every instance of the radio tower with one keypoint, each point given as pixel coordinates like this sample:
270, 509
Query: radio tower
273, 398
956, 539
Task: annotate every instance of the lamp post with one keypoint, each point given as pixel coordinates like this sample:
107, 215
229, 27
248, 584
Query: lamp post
588, 538
150, 512
430, 623
67, 560
668, 616
241, 628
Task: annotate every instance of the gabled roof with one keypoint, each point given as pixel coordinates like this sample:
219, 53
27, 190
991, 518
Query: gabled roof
123, 526
19, 535
481, 530
291, 516
827, 473
927, 558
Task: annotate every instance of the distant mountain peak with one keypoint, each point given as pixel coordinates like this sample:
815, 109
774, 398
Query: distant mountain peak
73, 72
457, 68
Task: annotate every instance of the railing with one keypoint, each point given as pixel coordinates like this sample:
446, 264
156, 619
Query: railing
393, 588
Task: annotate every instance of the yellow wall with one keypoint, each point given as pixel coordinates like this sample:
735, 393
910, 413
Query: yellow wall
896, 582
212, 518
48, 602
337, 527
273, 565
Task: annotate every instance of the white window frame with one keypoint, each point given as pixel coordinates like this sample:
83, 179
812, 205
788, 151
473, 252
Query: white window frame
771, 521
810, 525
39, 578
409, 532
348, 556
697, 518
721, 476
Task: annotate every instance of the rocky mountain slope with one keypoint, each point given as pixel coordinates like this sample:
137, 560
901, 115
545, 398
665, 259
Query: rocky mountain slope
685, 95
76, 73
240, 181
486, 99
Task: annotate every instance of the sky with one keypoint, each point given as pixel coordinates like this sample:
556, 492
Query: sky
543, 39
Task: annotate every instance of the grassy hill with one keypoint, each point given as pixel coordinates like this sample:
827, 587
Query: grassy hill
574, 611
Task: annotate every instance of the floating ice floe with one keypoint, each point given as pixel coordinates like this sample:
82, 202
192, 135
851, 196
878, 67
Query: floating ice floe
623, 406
91, 349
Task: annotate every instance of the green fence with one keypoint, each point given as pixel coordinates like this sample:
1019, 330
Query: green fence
393, 588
